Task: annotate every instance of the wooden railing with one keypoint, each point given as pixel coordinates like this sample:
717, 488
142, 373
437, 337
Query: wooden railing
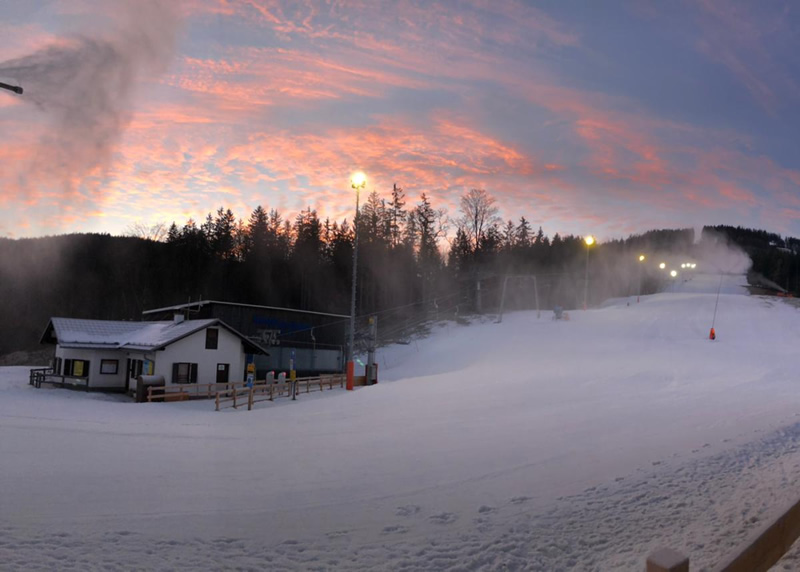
181, 391
38, 376
267, 390
38, 373
762, 551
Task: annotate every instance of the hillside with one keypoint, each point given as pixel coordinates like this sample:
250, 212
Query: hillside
552, 445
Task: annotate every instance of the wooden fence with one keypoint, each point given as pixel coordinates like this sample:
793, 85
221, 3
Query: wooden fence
182, 391
267, 390
762, 551
39, 376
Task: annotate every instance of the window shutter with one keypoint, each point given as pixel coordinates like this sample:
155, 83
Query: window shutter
67, 367
174, 373
193, 373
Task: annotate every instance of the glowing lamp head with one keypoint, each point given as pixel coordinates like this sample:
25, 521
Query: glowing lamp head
358, 180
589, 240
663, 265
683, 265
641, 258
673, 273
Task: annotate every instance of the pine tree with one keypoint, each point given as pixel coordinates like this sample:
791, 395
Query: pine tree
522, 236
397, 216
509, 236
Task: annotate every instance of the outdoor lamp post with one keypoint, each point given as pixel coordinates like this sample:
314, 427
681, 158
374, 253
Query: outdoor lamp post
589, 240
642, 258
358, 181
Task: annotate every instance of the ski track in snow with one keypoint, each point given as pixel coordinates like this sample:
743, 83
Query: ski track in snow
705, 507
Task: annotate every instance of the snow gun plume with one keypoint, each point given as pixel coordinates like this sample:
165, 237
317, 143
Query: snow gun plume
15, 88
84, 86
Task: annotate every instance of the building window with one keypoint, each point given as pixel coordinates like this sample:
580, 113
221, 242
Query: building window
184, 373
109, 366
76, 367
212, 338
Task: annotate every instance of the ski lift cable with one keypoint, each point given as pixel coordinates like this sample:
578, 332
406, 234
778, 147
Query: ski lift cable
379, 312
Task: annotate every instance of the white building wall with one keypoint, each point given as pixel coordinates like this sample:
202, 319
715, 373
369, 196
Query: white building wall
95, 358
192, 349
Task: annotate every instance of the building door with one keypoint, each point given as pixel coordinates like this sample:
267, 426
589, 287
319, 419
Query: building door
222, 372
134, 370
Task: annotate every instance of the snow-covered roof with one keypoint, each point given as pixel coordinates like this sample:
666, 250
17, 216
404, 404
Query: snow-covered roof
140, 336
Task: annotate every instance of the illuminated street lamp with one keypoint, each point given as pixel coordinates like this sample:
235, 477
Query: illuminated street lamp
642, 258
673, 274
358, 181
589, 240
663, 265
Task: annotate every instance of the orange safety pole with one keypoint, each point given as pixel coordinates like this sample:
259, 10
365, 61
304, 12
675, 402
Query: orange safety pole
351, 367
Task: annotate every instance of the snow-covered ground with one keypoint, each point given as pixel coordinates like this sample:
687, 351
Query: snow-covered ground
532, 444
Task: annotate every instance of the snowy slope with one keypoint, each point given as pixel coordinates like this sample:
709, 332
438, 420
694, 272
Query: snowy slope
534, 444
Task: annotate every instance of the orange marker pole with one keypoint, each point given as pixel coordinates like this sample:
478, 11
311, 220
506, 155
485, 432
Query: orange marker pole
350, 374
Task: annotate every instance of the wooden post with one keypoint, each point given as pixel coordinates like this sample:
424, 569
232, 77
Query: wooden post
667, 560
217, 409
351, 369
768, 545
149, 394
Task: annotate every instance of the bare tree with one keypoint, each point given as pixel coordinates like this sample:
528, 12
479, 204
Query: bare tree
156, 232
478, 214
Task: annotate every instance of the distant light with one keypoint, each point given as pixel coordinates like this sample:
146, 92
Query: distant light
673, 273
358, 180
641, 258
589, 240
683, 265
663, 265
694, 265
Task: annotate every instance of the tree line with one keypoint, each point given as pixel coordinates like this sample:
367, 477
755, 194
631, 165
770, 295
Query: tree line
415, 263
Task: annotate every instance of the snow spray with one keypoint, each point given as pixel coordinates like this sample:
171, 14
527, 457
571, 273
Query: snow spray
83, 86
713, 335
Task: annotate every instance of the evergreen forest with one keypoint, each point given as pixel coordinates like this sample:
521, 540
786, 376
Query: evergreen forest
415, 264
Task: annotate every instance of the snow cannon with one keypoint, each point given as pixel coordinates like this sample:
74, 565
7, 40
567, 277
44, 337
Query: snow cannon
712, 335
15, 88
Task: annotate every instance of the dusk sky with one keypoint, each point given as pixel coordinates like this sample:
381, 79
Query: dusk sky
607, 118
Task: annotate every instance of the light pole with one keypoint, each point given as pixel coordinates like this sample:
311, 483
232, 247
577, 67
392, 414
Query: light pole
358, 181
589, 240
642, 258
